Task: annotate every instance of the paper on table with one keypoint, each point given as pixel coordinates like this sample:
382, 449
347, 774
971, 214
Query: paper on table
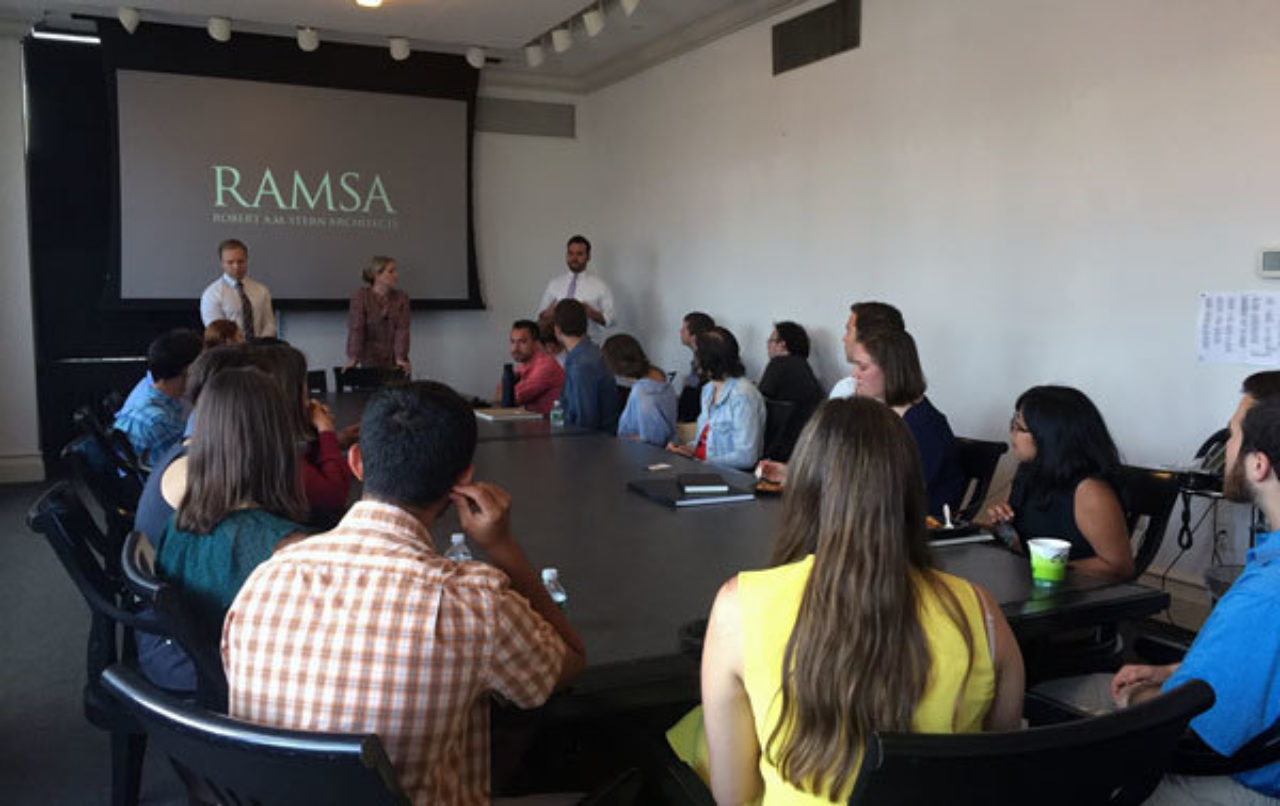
1239, 328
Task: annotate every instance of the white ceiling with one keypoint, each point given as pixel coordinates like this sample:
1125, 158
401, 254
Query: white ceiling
658, 30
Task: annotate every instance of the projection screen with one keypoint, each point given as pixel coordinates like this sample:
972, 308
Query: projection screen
314, 180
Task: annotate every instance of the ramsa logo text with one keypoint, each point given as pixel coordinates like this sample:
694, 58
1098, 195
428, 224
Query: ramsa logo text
349, 193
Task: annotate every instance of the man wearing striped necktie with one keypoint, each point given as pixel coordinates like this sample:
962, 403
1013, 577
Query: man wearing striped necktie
580, 284
238, 297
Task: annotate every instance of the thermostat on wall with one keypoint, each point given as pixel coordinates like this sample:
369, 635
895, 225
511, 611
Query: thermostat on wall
1269, 263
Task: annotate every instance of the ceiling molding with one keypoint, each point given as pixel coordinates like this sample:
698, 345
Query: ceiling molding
702, 32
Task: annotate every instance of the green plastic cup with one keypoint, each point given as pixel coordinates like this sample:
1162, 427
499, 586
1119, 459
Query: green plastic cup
1048, 559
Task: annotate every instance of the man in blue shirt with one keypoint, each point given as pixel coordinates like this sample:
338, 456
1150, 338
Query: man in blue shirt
590, 394
153, 420
1237, 652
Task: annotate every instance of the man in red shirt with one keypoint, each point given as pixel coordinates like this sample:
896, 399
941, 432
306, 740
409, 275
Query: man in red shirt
539, 376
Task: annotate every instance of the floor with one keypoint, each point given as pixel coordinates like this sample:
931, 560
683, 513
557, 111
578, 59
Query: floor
49, 754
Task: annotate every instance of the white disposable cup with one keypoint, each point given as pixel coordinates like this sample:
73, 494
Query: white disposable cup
1048, 559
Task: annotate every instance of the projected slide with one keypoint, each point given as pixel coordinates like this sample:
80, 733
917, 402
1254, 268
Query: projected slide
314, 180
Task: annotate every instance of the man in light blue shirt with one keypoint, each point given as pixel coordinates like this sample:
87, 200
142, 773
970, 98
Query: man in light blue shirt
1237, 652
153, 420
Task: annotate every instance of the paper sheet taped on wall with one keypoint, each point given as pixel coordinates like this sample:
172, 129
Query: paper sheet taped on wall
1239, 328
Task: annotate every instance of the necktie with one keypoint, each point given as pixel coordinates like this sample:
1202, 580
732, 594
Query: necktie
246, 311
573, 287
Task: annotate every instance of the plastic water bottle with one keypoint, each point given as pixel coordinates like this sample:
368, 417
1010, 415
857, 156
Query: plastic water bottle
551, 581
458, 551
557, 416
508, 386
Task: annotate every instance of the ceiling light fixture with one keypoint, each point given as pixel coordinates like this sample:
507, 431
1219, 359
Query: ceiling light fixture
219, 29
369, 3
593, 21
308, 39
476, 57
534, 55
629, 6
400, 49
561, 40
129, 18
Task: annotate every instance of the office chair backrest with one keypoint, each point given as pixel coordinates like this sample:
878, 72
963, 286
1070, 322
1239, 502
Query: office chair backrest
317, 382
366, 378
239, 762
178, 620
778, 438
1148, 497
62, 518
978, 459
1116, 759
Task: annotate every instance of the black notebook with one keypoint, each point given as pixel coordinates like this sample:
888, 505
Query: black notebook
667, 491
701, 483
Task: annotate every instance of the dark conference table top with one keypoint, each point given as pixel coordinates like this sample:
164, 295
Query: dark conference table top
347, 406
636, 570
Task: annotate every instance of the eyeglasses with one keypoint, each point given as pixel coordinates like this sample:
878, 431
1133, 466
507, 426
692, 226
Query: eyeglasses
1017, 427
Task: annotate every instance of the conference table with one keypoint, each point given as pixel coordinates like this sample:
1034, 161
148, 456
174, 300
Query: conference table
347, 406
636, 571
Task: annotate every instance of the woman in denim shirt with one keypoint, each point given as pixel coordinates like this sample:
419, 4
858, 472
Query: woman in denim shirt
730, 428
650, 413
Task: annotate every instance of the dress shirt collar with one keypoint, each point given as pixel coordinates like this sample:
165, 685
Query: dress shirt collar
389, 521
1266, 549
233, 282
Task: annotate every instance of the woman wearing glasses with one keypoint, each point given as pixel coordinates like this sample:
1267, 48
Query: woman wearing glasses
1065, 483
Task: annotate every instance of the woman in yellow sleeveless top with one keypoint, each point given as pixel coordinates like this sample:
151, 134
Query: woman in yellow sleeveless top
873, 639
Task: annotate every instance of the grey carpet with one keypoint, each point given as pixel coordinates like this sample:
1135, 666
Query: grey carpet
49, 753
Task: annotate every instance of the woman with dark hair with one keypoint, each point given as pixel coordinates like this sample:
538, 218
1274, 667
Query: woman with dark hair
730, 428
650, 413
851, 631
326, 476
789, 378
243, 494
1065, 483
886, 366
378, 319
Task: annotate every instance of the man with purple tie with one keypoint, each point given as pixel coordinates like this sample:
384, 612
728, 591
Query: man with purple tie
586, 287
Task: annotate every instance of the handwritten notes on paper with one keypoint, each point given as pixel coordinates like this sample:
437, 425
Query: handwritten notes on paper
1241, 328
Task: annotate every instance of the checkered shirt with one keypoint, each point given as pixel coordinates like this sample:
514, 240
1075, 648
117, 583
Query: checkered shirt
366, 629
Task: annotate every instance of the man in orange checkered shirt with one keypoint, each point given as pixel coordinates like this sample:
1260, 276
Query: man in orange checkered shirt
368, 629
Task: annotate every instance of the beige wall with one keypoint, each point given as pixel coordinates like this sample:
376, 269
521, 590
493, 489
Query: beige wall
19, 426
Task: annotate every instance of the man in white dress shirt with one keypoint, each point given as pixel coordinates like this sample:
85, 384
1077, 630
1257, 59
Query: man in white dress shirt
872, 315
584, 286
238, 297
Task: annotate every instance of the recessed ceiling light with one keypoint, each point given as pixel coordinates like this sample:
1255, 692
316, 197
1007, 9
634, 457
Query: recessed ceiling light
369, 3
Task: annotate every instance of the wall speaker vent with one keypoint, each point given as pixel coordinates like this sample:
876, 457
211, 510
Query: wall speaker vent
825, 31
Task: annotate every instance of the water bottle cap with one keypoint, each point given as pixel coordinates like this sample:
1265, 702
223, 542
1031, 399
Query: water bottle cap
549, 573
457, 537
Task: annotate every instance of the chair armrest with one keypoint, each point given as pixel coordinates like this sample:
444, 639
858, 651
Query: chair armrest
1194, 757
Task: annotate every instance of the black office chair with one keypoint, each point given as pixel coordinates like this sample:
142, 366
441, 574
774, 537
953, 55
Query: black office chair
1148, 496
224, 760
114, 446
978, 459
62, 518
778, 437
689, 405
365, 378
178, 619
1116, 759
317, 382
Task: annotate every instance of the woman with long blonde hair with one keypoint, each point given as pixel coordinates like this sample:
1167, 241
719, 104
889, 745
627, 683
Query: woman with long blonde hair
851, 631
